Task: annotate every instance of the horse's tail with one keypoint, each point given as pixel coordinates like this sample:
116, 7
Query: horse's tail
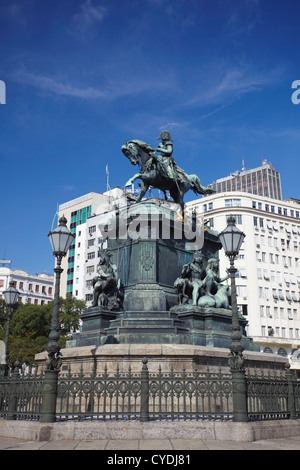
196, 184
197, 187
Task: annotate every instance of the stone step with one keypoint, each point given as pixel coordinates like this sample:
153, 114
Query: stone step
153, 338
146, 321
152, 313
159, 330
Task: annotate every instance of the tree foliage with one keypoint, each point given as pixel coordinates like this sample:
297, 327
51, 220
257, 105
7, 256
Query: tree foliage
30, 327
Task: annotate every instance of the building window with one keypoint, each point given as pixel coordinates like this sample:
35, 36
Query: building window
92, 229
232, 202
262, 312
282, 351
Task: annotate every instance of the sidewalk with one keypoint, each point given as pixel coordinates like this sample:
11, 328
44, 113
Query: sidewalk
173, 445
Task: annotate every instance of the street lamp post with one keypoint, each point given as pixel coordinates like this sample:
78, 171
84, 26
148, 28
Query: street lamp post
231, 239
60, 239
11, 296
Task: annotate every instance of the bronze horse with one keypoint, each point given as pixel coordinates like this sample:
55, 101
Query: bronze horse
151, 173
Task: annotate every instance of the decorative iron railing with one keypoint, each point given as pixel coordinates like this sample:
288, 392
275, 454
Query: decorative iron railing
197, 395
102, 396
21, 396
150, 396
267, 396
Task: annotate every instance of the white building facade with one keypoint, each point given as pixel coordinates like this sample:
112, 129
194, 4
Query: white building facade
88, 241
33, 289
268, 278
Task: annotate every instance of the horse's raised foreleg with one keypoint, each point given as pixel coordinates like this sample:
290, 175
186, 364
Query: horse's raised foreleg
132, 180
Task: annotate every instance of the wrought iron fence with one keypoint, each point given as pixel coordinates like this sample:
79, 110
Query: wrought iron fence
99, 396
21, 396
267, 396
197, 395
150, 396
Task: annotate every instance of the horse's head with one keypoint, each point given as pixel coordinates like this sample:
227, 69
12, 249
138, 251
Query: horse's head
131, 152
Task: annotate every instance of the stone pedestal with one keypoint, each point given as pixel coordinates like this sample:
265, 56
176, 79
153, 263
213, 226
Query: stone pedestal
95, 320
211, 326
147, 268
148, 327
167, 356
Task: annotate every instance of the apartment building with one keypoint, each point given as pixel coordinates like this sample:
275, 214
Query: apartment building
34, 289
268, 277
262, 181
83, 215
77, 211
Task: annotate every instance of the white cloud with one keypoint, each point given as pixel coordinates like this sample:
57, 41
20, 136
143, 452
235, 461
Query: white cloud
111, 88
231, 85
89, 14
68, 187
51, 85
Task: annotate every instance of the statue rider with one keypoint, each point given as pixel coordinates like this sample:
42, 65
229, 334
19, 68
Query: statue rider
166, 164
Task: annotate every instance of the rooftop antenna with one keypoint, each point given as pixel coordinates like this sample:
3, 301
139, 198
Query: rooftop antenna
243, 167
107, 179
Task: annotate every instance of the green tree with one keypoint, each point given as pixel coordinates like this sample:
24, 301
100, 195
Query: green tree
30, 327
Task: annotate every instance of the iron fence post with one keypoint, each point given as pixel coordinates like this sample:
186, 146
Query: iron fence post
13, 397
48, 410
291, 396
144, 415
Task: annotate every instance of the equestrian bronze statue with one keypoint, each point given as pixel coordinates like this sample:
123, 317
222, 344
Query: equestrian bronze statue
161, 171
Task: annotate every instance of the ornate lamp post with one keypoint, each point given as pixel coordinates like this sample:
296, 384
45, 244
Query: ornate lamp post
231, 239
11, 296
60, 239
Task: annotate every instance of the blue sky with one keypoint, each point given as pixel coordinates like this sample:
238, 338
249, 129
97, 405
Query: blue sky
83, 76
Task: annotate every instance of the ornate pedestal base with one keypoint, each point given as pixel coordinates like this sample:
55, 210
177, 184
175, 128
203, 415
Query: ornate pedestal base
94, 322
211, 327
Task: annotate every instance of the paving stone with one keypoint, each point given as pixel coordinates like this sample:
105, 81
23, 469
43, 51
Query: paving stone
156, 444
97, 444
188, 444
122, 444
